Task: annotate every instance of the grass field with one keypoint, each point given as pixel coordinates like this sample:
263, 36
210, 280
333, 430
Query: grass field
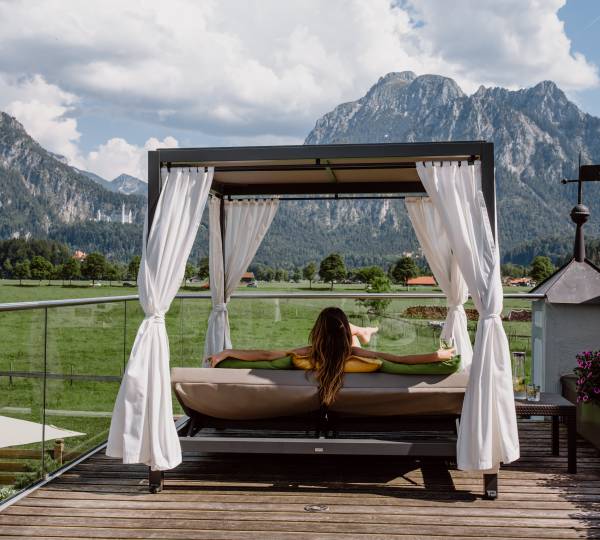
96, 340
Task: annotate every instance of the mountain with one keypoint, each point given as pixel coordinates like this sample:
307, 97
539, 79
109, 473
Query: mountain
124, 183
129, 185
40, 193
537, 134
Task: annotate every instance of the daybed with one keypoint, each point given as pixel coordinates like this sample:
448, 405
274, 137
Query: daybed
255, 399
450, 200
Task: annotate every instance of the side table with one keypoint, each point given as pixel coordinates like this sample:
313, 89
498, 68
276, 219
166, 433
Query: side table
555, 406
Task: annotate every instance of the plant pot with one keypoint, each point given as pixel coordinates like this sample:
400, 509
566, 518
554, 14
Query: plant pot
588, 422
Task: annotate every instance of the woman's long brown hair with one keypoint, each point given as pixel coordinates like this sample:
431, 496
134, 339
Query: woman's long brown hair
331, 345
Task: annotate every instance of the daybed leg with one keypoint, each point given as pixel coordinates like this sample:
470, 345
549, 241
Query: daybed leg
490, 486
155, 480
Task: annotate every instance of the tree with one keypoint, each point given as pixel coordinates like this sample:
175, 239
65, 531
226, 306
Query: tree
203, 268
22, 271
71, 270
57, 272
134, 267
332, 268
541, 268
309, 272
369, 273
404, 269
513, 270
112, 273
41, 268
378, 306
190, 272
296, 275
8, 269
94, 267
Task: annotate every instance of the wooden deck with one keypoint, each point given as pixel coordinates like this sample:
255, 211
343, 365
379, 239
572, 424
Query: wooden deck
265, 497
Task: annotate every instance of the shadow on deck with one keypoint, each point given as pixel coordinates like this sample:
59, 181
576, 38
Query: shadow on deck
324, 497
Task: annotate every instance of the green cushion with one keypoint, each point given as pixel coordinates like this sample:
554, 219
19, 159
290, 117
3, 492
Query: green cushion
433, 368
279, 363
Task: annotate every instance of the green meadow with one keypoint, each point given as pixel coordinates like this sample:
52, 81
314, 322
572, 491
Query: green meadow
95, 340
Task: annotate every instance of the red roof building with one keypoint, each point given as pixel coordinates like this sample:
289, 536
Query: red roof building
428, 281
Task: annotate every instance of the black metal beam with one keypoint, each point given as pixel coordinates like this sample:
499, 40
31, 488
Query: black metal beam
202, 156
488, 184
321, 188
154, 186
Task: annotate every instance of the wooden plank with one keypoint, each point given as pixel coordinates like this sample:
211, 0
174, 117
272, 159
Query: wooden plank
141, 529
211, 496
337, 512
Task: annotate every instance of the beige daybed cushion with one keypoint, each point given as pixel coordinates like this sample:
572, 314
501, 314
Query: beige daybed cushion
245, 394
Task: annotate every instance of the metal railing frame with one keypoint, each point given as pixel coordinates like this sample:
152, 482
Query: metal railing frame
44, 304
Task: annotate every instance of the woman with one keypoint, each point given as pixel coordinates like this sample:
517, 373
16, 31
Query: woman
331, 344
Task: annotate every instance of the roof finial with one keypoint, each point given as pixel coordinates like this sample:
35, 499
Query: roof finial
581, 213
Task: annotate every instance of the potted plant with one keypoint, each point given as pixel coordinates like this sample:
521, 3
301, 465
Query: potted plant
588, 395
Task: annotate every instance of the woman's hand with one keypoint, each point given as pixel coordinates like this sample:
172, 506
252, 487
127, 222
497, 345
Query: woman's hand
216, 358
446, 354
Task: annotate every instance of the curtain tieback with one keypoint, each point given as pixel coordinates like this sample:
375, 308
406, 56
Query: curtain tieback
456, 307
220, 308
157, 318
490, 316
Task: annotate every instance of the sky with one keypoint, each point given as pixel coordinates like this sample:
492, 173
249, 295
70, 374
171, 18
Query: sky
103, 82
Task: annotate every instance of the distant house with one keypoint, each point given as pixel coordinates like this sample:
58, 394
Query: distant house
247, 277
427, 281
520, 282
79, 255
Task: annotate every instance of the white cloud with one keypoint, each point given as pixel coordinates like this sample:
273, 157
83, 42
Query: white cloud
117, 156
509, 43
273, 67
42, 108
234, 70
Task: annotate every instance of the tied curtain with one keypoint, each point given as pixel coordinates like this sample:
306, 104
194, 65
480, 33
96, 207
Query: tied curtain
430, 232
246, 223
487, 434
142, 428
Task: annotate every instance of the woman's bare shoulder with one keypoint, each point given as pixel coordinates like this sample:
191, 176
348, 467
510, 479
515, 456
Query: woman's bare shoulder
301, 350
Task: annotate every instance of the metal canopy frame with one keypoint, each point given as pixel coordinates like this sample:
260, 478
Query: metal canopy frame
359, 159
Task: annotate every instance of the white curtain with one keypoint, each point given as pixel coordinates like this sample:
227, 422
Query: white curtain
432, 237
142, 428
488, 428
246, 223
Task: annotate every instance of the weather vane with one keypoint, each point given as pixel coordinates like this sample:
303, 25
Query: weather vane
580, 212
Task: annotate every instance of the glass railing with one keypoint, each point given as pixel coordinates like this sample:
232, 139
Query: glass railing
61, 362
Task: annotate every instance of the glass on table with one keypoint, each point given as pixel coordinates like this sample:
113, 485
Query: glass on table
533, 392
518, 375
446, 343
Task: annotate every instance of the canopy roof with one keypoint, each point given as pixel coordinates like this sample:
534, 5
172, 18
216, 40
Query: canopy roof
321, 169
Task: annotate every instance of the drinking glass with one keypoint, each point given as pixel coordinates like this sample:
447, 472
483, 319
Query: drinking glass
446, 343
533, 392
518, 375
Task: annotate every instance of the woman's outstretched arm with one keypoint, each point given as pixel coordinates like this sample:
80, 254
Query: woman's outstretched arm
437, 356
252, 355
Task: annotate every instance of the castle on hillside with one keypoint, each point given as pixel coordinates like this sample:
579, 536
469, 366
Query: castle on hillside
116, 217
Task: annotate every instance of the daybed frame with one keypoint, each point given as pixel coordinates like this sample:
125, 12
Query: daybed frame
340, 171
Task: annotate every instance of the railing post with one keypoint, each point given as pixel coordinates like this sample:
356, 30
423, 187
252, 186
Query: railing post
44, 392
124, 335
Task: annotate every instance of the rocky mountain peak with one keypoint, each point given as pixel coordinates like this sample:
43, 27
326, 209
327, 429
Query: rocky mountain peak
537, 133
39, 191
397, 77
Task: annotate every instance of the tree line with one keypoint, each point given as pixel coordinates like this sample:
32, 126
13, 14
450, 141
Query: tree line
50, 260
